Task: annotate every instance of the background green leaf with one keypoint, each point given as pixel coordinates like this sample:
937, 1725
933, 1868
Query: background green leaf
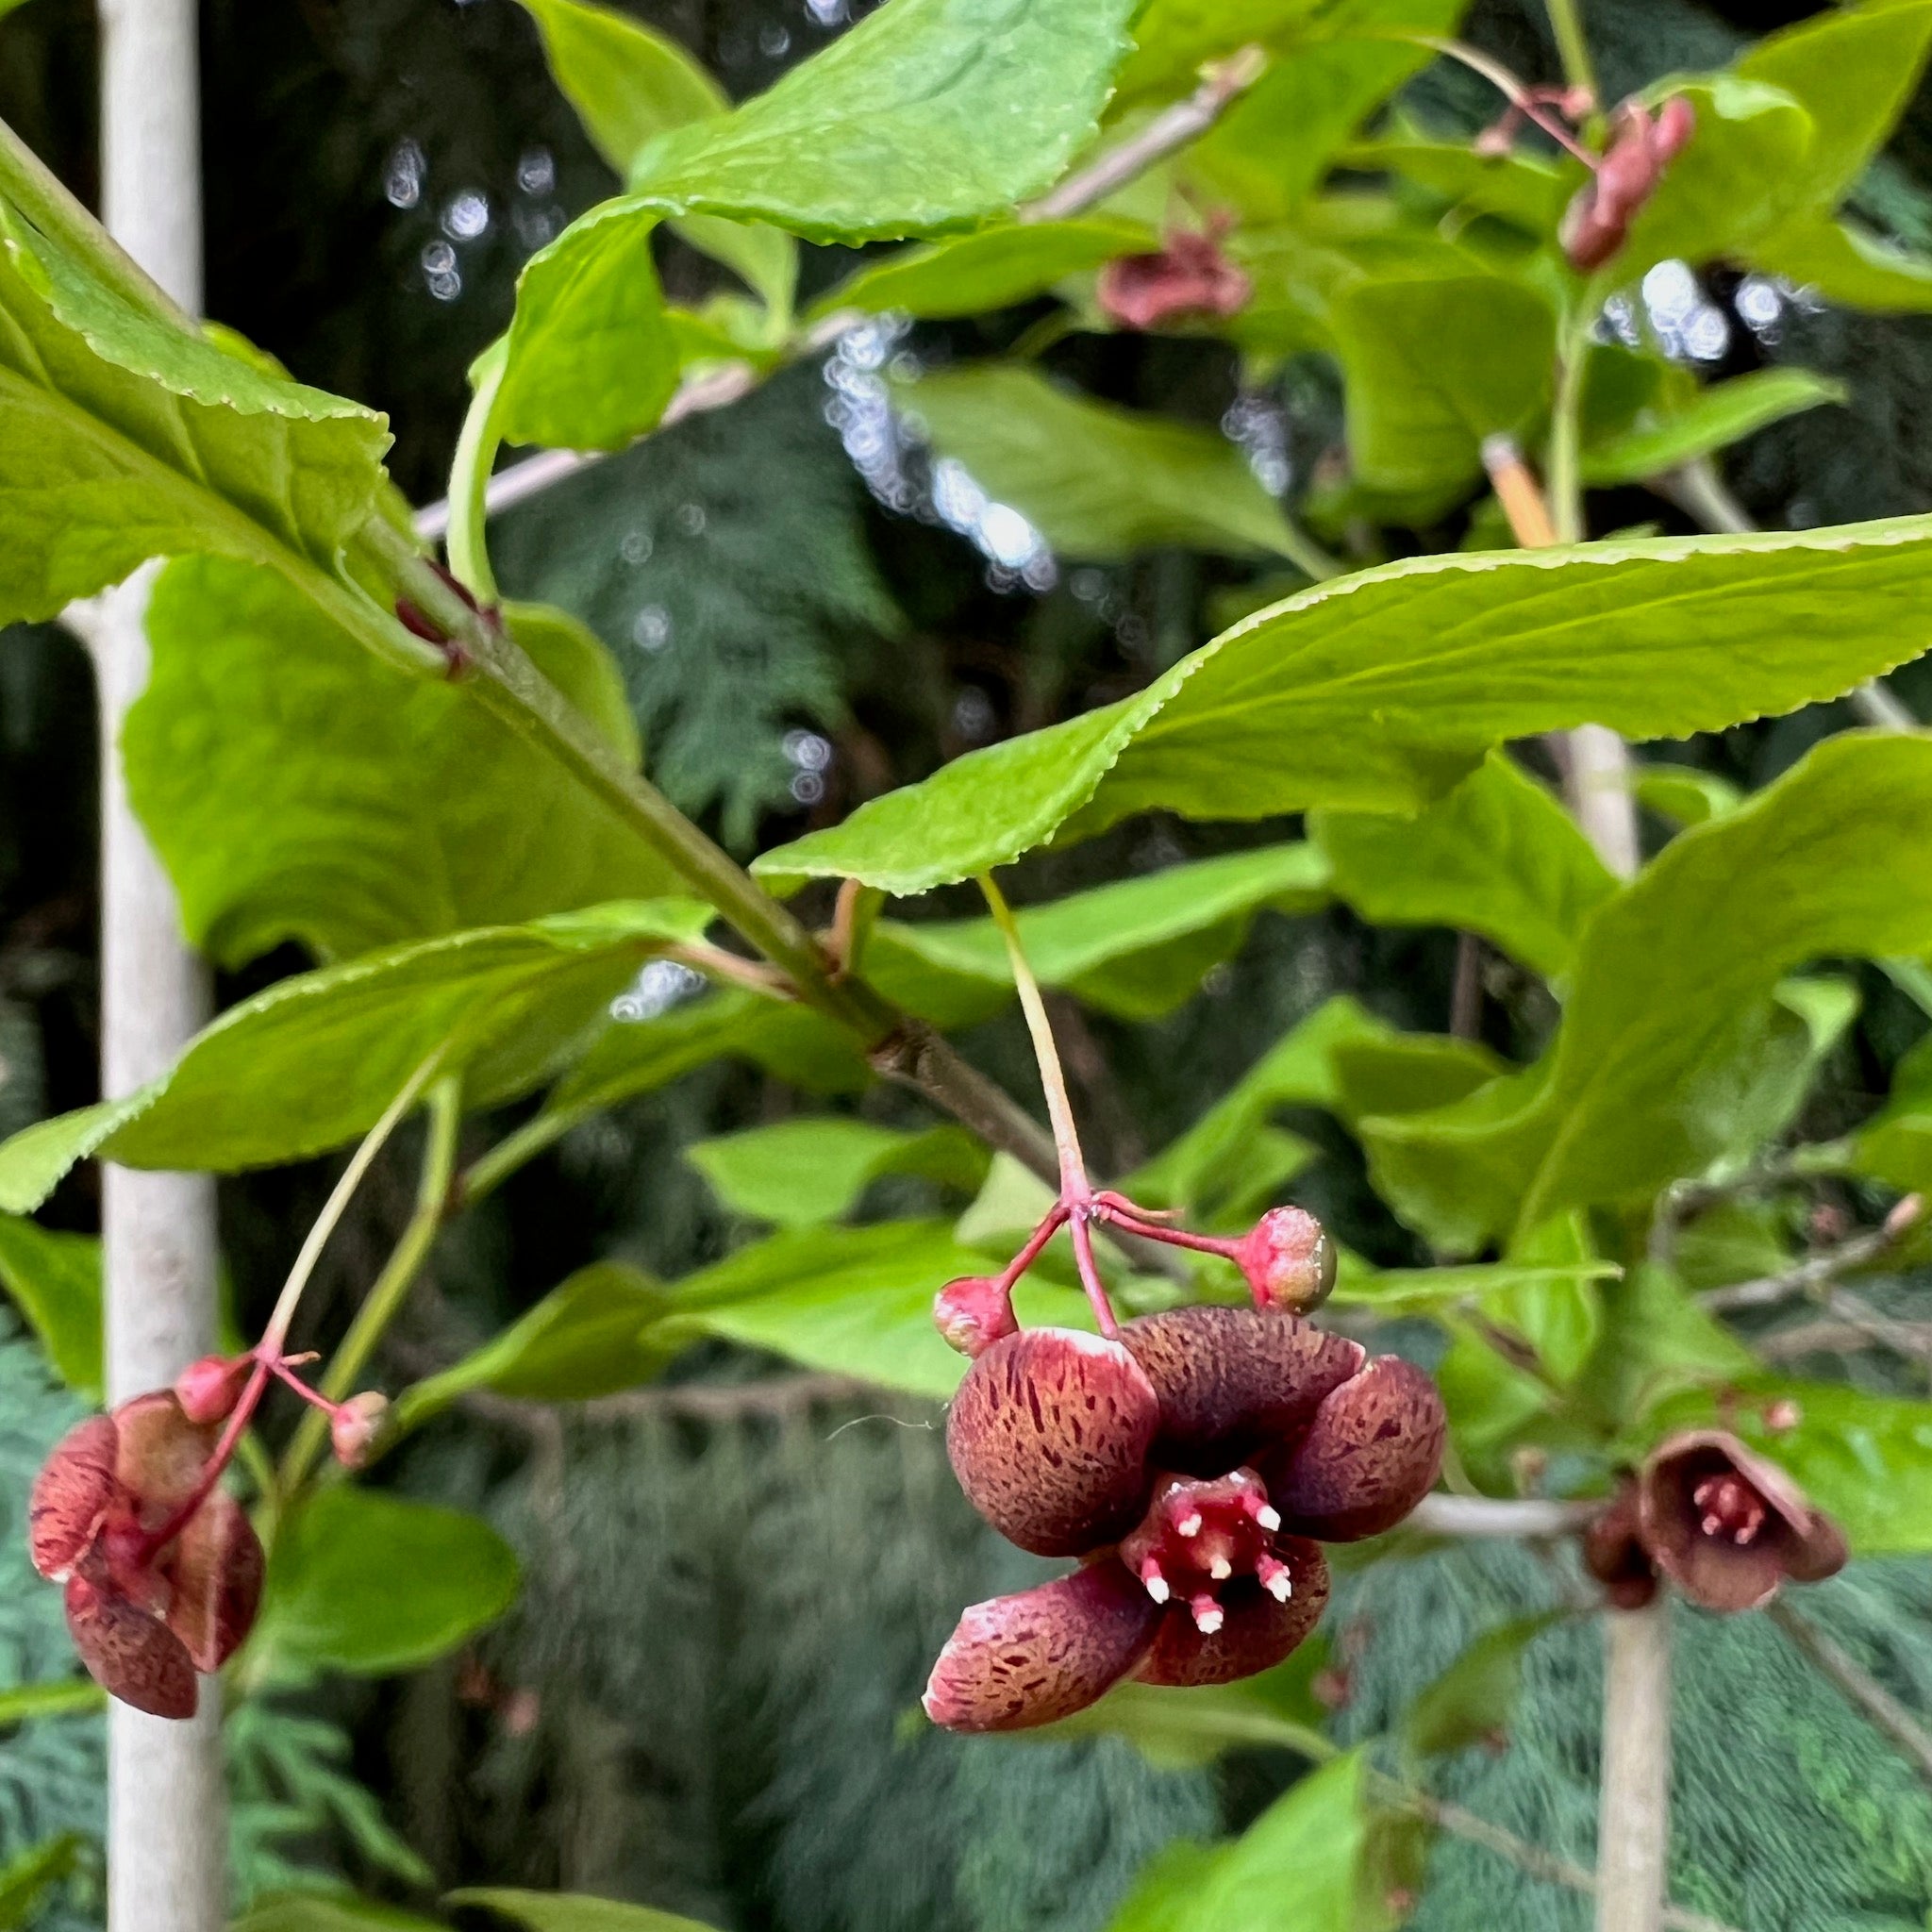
801, 1172
1721, 415
55, 1280
564, 1911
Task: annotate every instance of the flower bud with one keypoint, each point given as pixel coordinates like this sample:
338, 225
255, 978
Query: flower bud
1189, 278
1288, 1260
972, 1312
355, 1427
209, 1389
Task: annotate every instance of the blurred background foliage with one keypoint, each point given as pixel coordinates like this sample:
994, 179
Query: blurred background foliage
735, 1581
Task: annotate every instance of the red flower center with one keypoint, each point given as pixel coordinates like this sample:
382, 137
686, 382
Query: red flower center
1198, 1535
1732, 1509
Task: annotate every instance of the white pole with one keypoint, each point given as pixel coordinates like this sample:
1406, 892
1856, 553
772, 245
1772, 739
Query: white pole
167, 1849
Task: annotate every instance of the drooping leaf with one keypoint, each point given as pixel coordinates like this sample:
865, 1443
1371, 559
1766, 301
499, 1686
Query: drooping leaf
298, 790
588, 1337
967, 274
567, 1911
1096, 481
853, 1301
505, 1004
1668, 1044
336, 1597
1390, 684
1475, 1698
1135, 948
1847, 265
1721, 415
805, 1172
1853, 69
1433, 365
1866, 1459
927, 116
55, 1280
1498, 856
129, 438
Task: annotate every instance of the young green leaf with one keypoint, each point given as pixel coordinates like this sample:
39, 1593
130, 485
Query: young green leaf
1498, 856
505, 1003
333, 1600
927, 116
1096, 481
805, 1172
55, 1280
966, 275
129, 440
1474, 1700
296, 789
590, 1336
1382, 690
1721, 415
568, 1911
1435, 364
1300, 1864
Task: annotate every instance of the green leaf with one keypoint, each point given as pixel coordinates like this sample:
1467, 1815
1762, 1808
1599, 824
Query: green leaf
1683, 794
1895, 1144
1389, 686
853, 1301
506, 1002
1385, 1072
1560, 1319
1474, 1699
302, 1913
927, 116
577, 662
588, 1337
335, 1596
1853, 70
567, 1911
1721, 415
1670, 1049
1658, 1341
69, 1697
967, 274
1137, 948
128, 439
593, 359
1518, 186
1741, 174
1441, 1290
1096, 481
1166, 1888
1846, 265
1498, 856
1183, 1729
1865, 1459
55, 1280
1433, 365
296, 788
27, 1878
802, 1172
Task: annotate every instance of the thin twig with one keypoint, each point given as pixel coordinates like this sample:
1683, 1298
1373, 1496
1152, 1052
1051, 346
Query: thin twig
1466, 988
1912, 1339
1499, 1516
1862, 1690
1819, 1272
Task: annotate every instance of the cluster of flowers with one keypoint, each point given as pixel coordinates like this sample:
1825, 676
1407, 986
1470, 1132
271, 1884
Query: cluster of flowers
1194, 1461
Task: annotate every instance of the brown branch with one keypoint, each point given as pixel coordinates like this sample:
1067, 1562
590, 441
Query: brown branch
1862, 1690
1817, 1273
1499, 1516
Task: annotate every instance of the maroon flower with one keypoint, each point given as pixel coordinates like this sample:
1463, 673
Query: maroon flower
163, 1572
1190, 277
1190, 1463
1597, 222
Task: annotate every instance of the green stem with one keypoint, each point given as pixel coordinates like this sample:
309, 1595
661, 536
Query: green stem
391, 1287
469, 478
1573, 49
1562, 473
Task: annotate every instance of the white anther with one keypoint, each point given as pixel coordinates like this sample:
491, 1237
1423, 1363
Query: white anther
1189, 1526
1208, 1615
1156, 1584
1221, 1569
1269, 1517
1275, 1579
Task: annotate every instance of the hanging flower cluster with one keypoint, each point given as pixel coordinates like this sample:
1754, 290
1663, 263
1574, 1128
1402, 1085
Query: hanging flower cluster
1721, 1523
1597, 222
1190, 277
1193, 1460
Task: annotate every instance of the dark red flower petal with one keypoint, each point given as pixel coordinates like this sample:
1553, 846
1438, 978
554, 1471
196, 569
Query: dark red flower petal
70, 1496
1016, 1661
1613, 1553
1371, 1454
161, 1453
1726, 1526
1049, 1436
1191, 276
215, 1569
1230, 1380
129, 1654
1256, 1632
